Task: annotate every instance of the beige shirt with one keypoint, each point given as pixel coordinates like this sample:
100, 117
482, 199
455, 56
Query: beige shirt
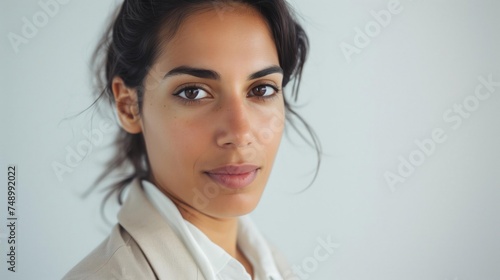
144, 246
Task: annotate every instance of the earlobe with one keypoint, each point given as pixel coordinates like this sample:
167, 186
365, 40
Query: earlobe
127, 107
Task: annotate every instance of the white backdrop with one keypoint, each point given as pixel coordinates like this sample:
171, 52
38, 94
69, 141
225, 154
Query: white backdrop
404, 95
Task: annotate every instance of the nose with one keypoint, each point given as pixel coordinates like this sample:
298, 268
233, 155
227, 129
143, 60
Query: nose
234, 129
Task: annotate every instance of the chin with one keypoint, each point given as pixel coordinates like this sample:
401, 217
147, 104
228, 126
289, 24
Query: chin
235, 205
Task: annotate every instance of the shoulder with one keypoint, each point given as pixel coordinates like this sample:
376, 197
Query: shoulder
117, 257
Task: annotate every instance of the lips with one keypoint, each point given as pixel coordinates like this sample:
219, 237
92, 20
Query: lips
234, 176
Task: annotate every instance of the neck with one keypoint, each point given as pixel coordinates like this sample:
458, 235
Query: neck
221, 231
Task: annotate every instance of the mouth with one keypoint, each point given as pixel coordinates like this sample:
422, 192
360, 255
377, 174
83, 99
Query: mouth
234, 176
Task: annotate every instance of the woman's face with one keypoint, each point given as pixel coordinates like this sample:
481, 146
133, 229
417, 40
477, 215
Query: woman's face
212, 116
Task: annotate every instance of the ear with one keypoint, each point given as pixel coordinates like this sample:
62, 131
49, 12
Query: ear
127, 106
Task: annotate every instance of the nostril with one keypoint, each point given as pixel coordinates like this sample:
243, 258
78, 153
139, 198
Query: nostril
236, 141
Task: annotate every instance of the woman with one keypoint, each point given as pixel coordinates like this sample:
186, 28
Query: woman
197, 88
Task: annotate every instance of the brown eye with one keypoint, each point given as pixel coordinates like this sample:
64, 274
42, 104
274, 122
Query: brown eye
192, 93
263, 91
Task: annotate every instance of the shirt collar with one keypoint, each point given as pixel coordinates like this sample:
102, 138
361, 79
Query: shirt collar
216, 255
211, 257
257, 250
173, 217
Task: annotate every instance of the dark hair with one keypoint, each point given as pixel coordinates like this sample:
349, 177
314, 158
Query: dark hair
130, 45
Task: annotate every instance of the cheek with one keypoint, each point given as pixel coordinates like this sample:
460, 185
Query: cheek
173, 132
184, 143
269, 130
175, 145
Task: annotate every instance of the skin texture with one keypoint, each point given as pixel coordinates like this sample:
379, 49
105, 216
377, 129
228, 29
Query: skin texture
228, 124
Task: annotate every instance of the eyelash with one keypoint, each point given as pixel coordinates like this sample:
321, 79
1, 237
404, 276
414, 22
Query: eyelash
186, 87
196, 86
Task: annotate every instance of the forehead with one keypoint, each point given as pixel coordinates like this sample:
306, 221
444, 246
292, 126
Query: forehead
221, 38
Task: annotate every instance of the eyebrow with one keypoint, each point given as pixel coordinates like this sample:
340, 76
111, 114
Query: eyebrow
210, 74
